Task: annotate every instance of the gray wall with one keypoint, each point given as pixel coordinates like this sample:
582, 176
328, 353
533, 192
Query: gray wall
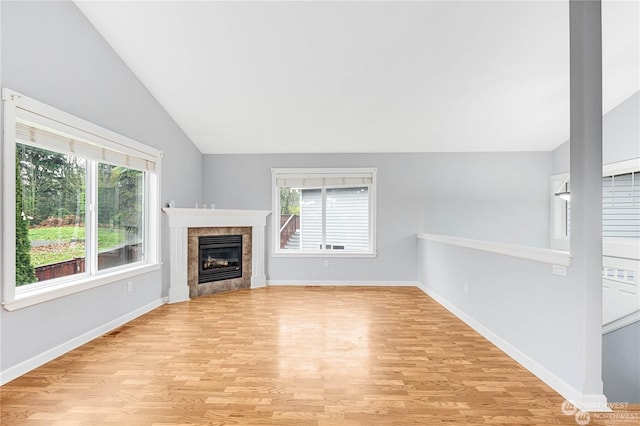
520, 301
496, 196
621, 131
621, 364
50, 52
620, 136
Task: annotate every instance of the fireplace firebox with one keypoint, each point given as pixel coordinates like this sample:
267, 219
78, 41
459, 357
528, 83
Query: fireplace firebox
220, 258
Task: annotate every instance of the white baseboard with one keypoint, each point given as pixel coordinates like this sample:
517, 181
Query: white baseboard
24, 367
342, 283
593, 403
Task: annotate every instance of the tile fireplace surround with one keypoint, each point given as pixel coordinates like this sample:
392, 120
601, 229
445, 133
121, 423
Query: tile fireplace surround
181, 220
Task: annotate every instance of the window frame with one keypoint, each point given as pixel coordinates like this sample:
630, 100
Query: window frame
559, 238
16, 105
314, 173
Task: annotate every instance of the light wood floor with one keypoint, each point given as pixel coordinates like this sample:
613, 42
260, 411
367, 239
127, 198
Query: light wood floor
287, 356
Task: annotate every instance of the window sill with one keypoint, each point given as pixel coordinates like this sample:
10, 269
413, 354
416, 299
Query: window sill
327, 254
31, 297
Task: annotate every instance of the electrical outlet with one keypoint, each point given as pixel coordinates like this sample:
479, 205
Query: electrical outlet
466, 288
326, 263
130, 286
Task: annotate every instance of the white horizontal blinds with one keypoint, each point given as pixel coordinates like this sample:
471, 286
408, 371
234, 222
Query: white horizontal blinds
347, 217
55, 138
311, 219
621, 206
314, 181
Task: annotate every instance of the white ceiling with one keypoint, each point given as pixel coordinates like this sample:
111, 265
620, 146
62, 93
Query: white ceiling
302, 77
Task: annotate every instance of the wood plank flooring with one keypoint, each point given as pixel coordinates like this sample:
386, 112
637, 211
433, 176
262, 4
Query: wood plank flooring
287, 356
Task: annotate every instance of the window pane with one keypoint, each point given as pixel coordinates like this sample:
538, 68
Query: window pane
300, 219
120, 216
50, 203
310, 219
347, 219
289, 218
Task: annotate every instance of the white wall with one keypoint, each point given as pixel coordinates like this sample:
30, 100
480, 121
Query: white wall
497, 196
620, 136
51, 53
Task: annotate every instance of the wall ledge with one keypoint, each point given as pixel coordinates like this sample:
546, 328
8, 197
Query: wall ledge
536, 254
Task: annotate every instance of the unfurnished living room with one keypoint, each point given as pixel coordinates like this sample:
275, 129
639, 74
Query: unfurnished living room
320, 212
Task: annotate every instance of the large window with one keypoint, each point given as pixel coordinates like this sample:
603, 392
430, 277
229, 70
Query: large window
324, 212
82, 198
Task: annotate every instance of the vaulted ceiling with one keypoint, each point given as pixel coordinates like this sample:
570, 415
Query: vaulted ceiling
328, 76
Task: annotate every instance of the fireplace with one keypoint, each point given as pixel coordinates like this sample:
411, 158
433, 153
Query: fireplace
187, 225
219, 258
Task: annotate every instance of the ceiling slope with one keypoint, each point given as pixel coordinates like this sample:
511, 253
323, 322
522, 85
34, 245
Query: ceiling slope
304, 77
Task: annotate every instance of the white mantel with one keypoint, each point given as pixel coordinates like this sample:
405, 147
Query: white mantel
180, 220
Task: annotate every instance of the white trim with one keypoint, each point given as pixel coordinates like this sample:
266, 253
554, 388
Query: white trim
91, 220
621, 322
558, 237
258, 276
178, 271
153, 234
258, 282
24, 367
583, 402
342, 283
33, 296
9, 202
536, 254
621, 167
197, 218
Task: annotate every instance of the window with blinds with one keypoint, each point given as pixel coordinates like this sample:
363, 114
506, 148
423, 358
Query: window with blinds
620, 206
82, 200
324, 211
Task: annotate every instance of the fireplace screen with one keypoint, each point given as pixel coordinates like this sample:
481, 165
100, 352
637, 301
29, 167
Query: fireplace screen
220, 258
